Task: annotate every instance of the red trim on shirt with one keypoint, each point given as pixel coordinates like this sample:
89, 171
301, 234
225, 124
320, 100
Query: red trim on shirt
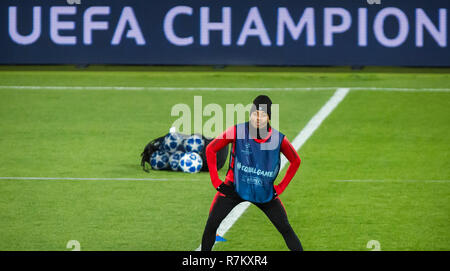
262, 140
294, 163
211, 151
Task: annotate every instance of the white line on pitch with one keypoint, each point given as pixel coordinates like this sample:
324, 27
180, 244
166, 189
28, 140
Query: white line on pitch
392, 181
401, 89
94, 179
142, 88
297, 143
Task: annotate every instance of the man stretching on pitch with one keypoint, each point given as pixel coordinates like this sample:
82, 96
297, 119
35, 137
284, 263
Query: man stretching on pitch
254, 166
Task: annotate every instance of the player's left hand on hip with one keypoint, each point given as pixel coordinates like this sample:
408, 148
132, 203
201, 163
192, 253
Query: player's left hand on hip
275, 194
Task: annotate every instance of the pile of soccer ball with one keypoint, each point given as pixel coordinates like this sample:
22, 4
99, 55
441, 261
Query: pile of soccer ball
179, 153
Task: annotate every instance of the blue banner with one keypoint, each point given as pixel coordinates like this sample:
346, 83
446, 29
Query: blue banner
233, 32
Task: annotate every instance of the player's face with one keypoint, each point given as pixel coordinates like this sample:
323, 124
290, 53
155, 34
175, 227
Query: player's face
259, 119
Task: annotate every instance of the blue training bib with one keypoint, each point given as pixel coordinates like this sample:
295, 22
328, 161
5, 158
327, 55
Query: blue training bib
256, 165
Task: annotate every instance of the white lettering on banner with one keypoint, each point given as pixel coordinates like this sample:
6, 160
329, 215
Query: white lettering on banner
422, 23
206, 26
285, 20
35, 33
403, 29
90, 25
330, 28
56, 25
134, 31
254, 18
362, 27
168, 26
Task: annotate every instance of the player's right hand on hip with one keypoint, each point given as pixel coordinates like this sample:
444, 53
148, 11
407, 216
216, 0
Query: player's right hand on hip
227, 189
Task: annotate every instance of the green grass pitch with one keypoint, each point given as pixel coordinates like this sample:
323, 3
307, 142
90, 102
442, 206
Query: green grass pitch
378, 168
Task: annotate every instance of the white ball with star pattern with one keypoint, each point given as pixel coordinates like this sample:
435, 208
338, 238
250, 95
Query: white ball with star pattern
174, 160
159, 160
191, 162
194, 143
171, 142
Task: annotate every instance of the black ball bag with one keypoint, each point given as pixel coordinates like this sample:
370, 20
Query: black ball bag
157, 144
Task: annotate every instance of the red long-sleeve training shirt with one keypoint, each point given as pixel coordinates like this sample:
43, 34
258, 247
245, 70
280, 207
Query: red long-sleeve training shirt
229, 137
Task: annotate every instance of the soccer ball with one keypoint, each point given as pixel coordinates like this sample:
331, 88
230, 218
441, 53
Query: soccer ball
194, 143
159, 160
171, 142
174, 160
191, 162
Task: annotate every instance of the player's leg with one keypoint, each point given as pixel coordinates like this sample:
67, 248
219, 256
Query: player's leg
220, 208
275, 211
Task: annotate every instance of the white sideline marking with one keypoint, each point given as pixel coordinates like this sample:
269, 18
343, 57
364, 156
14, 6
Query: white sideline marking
392, 181
402, 89
92, 179
297, 143
123, 88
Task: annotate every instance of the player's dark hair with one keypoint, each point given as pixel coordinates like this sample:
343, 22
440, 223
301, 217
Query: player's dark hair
263, 103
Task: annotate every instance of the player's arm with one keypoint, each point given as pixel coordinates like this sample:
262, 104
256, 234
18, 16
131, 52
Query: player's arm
294, 163
211, 154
